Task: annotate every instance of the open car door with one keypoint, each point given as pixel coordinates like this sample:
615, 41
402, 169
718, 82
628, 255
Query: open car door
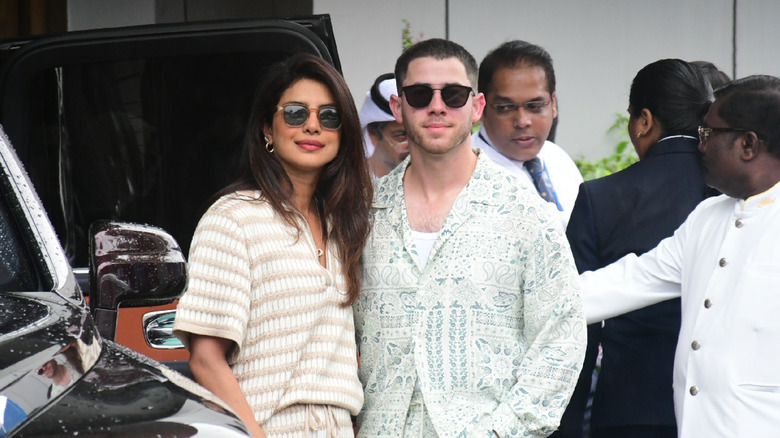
140, 124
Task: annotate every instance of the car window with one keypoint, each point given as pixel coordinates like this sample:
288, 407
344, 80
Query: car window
17, 271
143, 140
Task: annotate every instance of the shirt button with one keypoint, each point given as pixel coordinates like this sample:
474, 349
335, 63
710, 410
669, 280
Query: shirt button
695, 345
694, 390
707, 303
723, 262
738, 223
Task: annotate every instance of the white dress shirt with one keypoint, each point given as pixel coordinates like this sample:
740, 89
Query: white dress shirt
561, 169
724, 262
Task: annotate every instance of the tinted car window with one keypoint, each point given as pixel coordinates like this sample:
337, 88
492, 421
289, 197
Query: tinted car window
141, 140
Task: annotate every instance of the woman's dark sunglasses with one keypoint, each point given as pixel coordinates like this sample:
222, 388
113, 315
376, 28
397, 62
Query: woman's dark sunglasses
296, 114
454, 96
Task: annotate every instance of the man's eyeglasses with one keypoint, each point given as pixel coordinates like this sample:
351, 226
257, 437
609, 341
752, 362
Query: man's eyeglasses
296, 114
705, 133
454, 96
533, 107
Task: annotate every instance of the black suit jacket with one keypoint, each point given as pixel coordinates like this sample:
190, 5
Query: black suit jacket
630, 212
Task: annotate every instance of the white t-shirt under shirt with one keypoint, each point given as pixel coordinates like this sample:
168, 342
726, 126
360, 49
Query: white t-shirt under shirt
423, 244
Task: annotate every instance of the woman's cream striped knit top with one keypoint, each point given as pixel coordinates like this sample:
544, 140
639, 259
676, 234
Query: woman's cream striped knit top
254, 280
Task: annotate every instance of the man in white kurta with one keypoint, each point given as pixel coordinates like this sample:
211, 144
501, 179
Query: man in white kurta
724, 262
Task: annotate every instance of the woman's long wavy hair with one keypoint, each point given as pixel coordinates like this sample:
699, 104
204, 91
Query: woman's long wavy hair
344, 192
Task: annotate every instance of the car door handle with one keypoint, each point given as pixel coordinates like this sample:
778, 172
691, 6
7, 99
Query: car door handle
158, 330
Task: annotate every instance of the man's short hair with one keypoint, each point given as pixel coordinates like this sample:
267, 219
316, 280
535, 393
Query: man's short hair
438, 49
515, 54
753, 103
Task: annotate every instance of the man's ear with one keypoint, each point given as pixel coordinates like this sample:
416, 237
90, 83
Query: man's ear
395, 107
554, 103
750, 146
479, 107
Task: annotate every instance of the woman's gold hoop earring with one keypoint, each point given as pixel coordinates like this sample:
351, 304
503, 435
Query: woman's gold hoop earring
268, 146
641, 133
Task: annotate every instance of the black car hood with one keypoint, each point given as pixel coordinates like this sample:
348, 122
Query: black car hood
36, 326
110, 390
128, 395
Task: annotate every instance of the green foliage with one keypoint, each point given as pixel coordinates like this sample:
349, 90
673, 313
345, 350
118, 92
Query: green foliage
406, 35
624, 155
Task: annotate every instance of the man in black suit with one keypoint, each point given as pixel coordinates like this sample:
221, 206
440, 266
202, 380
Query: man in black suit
630, 212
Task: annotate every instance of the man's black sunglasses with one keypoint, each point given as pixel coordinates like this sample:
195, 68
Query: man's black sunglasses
454, 96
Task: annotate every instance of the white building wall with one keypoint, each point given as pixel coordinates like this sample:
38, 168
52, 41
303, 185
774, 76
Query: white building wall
597, 45
758, 37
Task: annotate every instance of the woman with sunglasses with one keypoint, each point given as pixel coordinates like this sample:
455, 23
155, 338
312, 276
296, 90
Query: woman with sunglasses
274, 263
630, 212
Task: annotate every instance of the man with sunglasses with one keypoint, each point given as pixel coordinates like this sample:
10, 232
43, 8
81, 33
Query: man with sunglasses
724, 262
469, 321
518, 81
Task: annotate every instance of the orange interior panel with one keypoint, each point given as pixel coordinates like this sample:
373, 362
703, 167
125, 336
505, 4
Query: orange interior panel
129, 332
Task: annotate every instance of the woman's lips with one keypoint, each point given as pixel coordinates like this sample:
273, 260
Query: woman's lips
310, 145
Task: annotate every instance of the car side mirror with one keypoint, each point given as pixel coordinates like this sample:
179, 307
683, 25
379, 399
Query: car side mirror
131, 265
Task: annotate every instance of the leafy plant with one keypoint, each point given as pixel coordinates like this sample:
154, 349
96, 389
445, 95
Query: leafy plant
624, 154
406, 35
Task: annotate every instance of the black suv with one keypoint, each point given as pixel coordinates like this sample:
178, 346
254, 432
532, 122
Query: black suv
58, 377
143, 125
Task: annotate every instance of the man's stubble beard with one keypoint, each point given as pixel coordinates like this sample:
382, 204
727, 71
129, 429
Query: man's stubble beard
417, 139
